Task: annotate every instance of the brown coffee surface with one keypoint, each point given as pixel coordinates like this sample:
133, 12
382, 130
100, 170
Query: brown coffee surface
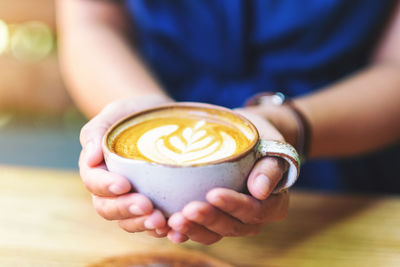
184, 139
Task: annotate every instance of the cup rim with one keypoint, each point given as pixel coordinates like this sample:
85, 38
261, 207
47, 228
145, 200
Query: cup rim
107, 151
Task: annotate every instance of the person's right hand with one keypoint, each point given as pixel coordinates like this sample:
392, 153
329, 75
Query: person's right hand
113, 195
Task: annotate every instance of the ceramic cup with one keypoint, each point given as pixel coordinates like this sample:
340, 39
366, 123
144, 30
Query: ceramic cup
171, 187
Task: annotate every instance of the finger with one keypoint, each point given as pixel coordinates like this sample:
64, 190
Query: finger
133, 225
103, 183
153, 233
163, 231
139, 224
116, 110
111, 113
92, 133
248, 209
177, 237
264, 177
122, 207
91, 138
192, 230
92, 152
157, 234
216, 221
264, 127
155, 221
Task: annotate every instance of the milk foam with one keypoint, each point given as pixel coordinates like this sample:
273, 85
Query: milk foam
190, 145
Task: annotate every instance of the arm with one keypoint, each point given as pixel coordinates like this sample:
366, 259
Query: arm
352, 116
100, 67
103, 73
93, 44
355, 115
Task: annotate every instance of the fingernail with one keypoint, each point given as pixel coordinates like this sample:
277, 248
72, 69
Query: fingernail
149, 224
159, 231
135, 210
175, 237
178, 225
116, 189
262, 184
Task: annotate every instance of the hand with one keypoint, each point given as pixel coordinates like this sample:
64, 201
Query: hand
229, 213
113, 197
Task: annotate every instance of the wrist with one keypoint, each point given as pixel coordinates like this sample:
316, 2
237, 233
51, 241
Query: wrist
281, 118
287, 118
285, 122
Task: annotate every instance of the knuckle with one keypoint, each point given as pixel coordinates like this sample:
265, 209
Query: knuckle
120, 211
258, 216
84, 133
102, 208
83, 175
234, 209
209, 220
110, 107
258, 219
88, 188
106, 216
254, 215
131, 226
207, 215
155, 234
88, 185
80, 163
124, 226
97, 204
248, 220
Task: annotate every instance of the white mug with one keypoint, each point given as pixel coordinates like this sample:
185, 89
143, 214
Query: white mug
171, 187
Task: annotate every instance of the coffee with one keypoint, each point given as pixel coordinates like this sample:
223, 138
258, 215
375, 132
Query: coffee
183, 136
181, 151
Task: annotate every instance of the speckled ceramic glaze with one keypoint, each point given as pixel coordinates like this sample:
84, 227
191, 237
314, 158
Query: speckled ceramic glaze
172, 187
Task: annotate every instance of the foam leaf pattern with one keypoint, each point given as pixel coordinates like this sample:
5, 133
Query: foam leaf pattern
172, 144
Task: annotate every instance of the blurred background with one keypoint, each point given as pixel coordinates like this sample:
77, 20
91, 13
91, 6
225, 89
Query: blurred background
39, 125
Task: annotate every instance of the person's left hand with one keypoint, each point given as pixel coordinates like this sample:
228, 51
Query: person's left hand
230, 213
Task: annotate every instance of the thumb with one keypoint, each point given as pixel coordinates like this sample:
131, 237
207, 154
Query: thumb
92, 133
91, 138
264, 177
93, 153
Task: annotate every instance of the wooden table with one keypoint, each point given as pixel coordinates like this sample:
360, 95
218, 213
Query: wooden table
46, 219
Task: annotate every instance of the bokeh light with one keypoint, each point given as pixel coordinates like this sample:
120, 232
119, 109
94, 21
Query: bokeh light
4, 37
5, 118
31, 41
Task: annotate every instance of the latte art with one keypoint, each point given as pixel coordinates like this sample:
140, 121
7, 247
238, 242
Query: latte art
180, 141
182, 145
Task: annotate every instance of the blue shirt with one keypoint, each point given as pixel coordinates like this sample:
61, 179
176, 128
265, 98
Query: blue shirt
224, 51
